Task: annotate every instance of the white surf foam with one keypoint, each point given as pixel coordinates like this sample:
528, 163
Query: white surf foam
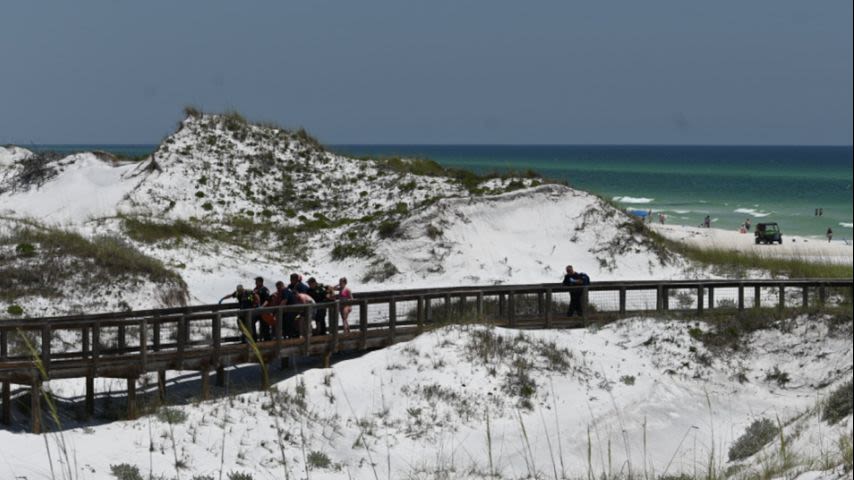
752, 212
633, 199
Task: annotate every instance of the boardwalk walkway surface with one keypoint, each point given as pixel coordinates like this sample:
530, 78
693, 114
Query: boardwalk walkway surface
206, 339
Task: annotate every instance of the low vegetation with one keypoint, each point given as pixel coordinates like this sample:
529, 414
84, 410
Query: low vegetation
54, 255
839, 404
758, 434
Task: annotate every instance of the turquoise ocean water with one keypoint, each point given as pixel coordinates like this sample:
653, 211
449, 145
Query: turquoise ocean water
785, 184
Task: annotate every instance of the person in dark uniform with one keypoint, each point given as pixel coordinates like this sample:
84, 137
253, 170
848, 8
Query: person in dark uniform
573, 278
319, 293
245, 301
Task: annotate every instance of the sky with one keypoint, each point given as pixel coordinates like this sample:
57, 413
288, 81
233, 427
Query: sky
766, 72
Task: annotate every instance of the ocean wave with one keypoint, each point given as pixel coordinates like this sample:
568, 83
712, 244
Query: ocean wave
633, 199
847, 225
682, 212
752, 212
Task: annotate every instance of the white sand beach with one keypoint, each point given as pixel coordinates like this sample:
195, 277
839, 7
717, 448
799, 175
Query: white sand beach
793, 246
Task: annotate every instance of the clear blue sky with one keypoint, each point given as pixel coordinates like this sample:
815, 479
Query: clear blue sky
617, 72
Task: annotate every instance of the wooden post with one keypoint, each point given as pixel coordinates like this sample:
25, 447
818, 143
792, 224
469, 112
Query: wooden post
216, 337
35, 403
822, 295
448, 312
131, 398
89, 404
541, 304
428, 309
479, 306
46, 349
659, 298
781, 304
155, 334
308, 315
511, 309
547, 308
501, 307
392, 319
741, 297
622, 299
363, 324
700, 300
181, 341
143, 343
333, 325
757, 296
206, 383
96, 346
7, 403
806, 297
711, 297
666, 299
85, 340
585, 302
221, 378
419, 313
122, 338
279, 336
161, 385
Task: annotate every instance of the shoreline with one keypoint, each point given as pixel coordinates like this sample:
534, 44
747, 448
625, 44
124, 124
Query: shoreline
793, 246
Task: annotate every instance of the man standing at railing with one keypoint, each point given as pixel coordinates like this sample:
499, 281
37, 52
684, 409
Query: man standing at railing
245, 300
572, 279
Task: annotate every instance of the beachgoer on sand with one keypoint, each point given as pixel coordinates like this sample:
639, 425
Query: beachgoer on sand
747, 224
707, 222
829, 234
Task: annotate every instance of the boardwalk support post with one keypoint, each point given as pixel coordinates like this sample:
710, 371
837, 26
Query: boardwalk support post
35, 403
89, 406
131, 398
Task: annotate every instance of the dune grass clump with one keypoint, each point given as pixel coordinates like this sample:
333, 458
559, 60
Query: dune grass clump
147, 231
125, 471
757, 435
62, 254
839, 404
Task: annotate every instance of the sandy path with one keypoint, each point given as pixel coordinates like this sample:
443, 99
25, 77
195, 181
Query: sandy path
793, 246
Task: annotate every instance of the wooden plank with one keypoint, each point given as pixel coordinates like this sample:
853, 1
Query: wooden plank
805, 292
161, 385
4, 344
122, 338
711, 298
96, 347
659, 298
333, 325
740, 297
585, 301
502, 309
541, 304
757, 296
479, 306
781, 302
428, 310
700, 291
155, 334
822, 295
85, 341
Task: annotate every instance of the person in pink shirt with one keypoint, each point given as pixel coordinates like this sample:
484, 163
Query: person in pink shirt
344, 294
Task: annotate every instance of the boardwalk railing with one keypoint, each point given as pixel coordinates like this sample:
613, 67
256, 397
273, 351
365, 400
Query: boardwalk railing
206, 338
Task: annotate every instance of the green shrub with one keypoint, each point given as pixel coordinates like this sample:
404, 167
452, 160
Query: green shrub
388, 228
778, 376
25, 250
380, 271
433, 232
628, 379
318, 460
239, 476
839, 404
15, 310
171, 415
124, 471
147, 231
757, 435
200, 194
351, 249
208, 206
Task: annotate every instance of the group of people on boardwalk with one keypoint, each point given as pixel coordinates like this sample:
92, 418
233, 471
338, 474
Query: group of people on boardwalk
261, 324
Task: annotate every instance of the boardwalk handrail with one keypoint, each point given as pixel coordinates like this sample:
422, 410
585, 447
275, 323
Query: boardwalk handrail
148, 351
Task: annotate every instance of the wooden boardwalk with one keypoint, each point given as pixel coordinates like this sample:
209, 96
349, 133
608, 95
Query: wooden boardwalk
204, 338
